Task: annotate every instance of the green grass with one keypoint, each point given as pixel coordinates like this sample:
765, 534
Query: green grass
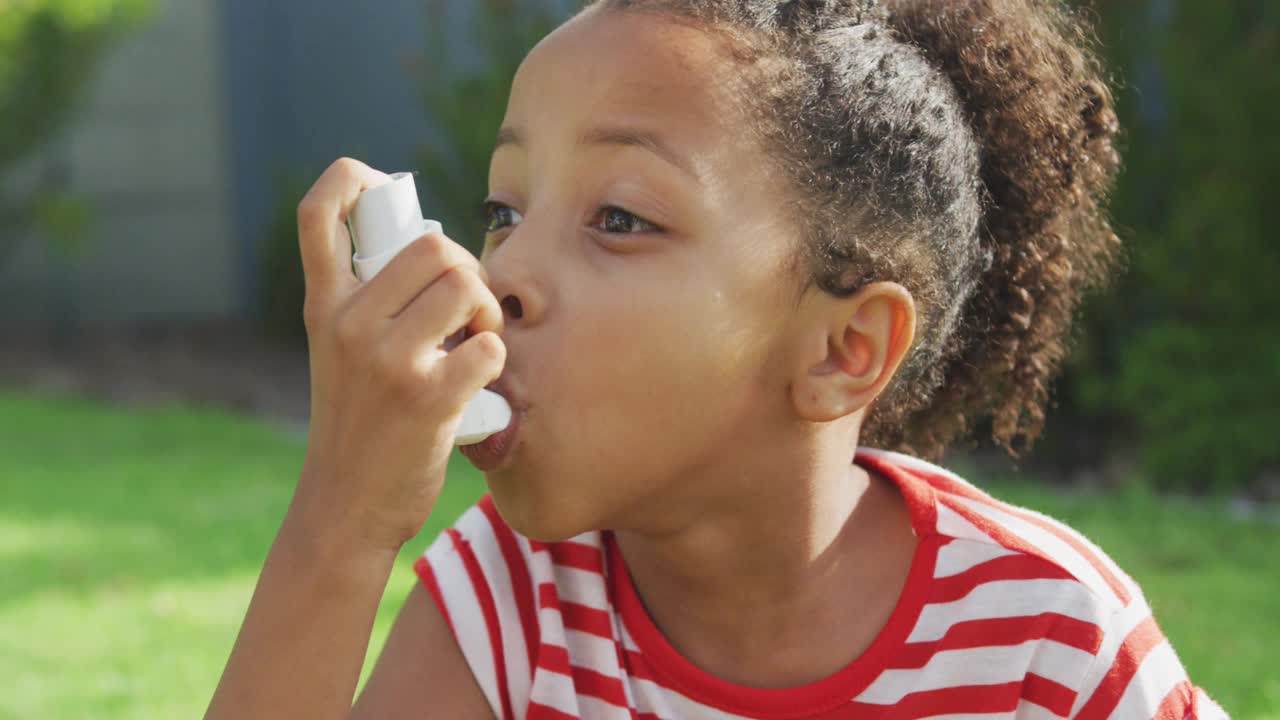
131, 540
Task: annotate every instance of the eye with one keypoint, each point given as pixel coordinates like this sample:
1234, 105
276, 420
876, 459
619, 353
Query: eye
620, 222
495, 216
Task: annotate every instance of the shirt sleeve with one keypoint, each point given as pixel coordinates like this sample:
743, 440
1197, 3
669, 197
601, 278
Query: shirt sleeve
467, 571
1136, 674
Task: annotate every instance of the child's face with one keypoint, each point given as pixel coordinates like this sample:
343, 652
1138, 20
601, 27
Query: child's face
654, 363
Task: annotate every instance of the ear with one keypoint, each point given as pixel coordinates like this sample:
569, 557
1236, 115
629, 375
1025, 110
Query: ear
857, 351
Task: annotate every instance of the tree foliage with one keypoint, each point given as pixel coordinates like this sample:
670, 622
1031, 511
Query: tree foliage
48, 49
1186, 352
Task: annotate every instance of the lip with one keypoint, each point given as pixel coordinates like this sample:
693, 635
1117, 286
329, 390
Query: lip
503, 387
496, 451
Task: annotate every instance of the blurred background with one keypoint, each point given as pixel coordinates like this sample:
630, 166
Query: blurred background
153, 369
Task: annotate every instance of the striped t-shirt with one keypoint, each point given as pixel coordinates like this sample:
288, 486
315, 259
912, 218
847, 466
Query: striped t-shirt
1006, 613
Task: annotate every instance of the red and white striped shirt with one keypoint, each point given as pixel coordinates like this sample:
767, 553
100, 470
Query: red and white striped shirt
1006, 613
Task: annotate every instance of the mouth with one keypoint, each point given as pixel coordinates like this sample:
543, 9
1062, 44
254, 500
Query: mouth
496, 451
503, 387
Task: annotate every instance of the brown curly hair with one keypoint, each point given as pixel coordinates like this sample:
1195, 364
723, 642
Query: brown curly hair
962, 148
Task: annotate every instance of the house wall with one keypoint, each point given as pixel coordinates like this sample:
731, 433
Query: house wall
192, 126
149, 153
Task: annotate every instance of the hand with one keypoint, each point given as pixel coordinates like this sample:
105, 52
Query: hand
385, 398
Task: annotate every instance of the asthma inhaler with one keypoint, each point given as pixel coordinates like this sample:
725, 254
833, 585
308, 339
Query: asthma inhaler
385, 219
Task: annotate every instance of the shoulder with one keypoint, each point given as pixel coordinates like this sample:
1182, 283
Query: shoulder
506, 597
1008, 543
1008, 579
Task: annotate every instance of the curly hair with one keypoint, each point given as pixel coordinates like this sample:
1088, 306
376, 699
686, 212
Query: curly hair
962, 148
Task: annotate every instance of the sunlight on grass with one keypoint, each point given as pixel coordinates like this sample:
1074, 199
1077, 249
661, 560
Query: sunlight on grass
131, 542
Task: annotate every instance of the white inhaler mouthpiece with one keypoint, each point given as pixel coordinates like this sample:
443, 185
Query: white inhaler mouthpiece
385, 219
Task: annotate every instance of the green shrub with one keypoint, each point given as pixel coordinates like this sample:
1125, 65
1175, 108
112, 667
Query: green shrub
281, 282
465, 107
1186, 352
48, 49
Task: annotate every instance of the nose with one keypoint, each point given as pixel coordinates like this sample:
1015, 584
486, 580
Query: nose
516, 280
511, 308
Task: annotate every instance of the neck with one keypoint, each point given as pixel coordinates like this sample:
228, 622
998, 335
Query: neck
778, 559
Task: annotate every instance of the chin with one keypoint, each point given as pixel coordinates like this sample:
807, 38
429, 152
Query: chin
536, 515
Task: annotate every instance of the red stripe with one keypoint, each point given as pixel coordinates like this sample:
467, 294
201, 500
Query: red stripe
998, 532
1008, 567
945, 701
1133, 651
1178, 704
538, 711
576, 555
638, 666
521, 583
586, 619
1003, 632
600, 686
548, 597
485, 596
422, 567
1048, 694
555, 659
1090, 556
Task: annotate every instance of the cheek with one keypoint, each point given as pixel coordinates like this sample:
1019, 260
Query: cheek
656, 374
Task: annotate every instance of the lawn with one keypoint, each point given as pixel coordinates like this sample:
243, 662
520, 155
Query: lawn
131, 540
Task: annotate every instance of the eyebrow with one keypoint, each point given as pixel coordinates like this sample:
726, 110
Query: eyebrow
618, 136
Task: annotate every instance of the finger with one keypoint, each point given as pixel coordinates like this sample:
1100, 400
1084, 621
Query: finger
409, 273
472, 365
457, 300
323, 239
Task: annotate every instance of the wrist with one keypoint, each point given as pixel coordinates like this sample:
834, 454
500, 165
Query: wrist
372, 520
325, 554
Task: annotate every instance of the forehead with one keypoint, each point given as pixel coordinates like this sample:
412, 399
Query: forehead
630, 69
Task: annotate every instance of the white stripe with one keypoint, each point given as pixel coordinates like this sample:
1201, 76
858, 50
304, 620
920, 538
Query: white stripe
917, 464
664, 702
595, 708
555, 690
484, 544
1116, 629
552, 627
953, 524
1007, 598
1121, 575
1057, 548
628, 642
990, 665
583, 587
959, 555
1028, 710
1207, 709
592, 652
1159, 673
667, 703
649, 697
976, 716
910, 462
464, 612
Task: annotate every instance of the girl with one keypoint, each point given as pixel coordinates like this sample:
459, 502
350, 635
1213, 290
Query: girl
750, 267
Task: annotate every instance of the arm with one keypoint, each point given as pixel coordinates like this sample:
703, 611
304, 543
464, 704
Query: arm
304, 638
386, 402
421, 667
